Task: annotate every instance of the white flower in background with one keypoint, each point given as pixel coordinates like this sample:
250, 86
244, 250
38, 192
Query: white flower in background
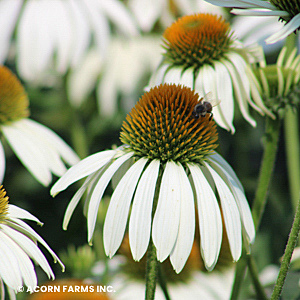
39, 149
128, 62
287, 11
19, 248
55, 34
168, 155
148, 12
201, 53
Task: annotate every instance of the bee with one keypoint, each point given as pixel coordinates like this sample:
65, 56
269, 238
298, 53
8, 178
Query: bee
205, 106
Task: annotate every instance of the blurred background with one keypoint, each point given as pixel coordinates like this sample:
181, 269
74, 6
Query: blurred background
84, 66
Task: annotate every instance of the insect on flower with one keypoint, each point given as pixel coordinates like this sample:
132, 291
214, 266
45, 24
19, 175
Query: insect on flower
205, 106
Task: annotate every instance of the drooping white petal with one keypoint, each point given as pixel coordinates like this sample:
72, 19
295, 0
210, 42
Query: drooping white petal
117, 212
9, 11
240, 199
20, 213
141, 213
28, 153
241, 3
230, 213
119, 15
9, 267
167, 214
2, 163
24, 228
239, 91
30, 248
210, 221
157, 76
76, 198
173, 76
225, 109
60, 146
14, 240
285, 31
186, 233
259, 12
84, 168
187, 78
98, 191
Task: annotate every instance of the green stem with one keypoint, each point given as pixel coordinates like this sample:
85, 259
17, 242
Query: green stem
260, 293
162, 282
152, 262
291, 133
268, 161
291, 244
271, 138
151, 271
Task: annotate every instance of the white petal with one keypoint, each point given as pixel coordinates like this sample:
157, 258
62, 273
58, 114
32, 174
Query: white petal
28, 153
9, 11
141, 213
62, 149
20, 213
210, 221
259, 12
230, 213
157, 76
84, 168
167, 214
117, 212
98, 191
119, 15
225, 110
185, 238
241, 201
291, 26
2, 163
239, 91
173, 76
24, 228
9, 266
31, 249
187, 78
240, 3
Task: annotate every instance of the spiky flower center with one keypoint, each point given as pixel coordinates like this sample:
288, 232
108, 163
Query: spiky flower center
13, 98
162, 126
195, 40
290, 6
3, 205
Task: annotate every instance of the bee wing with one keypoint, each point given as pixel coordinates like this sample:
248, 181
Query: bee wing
209, 98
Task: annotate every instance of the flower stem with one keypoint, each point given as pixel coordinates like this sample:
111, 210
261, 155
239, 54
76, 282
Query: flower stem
292, 241
151, 271
152, 267
268, 161
292, 154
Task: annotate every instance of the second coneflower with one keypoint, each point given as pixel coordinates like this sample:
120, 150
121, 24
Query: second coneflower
166, 165
201, 52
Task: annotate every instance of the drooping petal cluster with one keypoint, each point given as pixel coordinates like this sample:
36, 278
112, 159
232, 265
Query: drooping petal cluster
19, 248
175, 182
40, 150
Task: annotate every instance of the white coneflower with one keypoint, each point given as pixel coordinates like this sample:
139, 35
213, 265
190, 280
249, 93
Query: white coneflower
168, 154
287, 11
39, 149
53, 35
19, 248
200, 52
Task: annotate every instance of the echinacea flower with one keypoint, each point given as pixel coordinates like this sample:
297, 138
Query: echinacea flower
19, 248
168, 164
39, 149
287, 11
53, 35
200, 52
